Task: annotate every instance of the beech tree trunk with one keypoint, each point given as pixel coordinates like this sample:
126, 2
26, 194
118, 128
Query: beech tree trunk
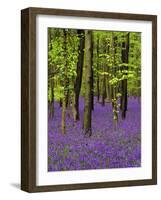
92, 77
104, 92
51, 81
108, 94
88, 78
114, 45
64, 101
51, 104
79, 70
125, 55
98, 81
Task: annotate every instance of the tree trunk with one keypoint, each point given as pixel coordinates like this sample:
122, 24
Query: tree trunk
125, 55
92, 77
138, 85
63, 117
79, 70
92, 90
113, 87
63, 122
67, 93
51, 103
88, 77
107, 77
50, 73
104, 94
108, 91
98, 87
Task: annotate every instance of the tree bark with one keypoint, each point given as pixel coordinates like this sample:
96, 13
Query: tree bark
125, 55
114, 45
108, 91
51, 103
92, 89
104, 94
108, 94
63, 122
92, 77
50, 72
98, 87
79, 70
88, 78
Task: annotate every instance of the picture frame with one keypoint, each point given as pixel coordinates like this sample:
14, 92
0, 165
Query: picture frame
29, 96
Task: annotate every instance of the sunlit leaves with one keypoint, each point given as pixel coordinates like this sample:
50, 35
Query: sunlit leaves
60, 59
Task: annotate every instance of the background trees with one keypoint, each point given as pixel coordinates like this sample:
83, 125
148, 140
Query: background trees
93, 65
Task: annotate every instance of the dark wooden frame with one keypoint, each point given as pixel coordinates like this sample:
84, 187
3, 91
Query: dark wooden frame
28, 98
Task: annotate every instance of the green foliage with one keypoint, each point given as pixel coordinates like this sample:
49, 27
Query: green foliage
107, 63
49, 94
112, 66
58, 92
59, 58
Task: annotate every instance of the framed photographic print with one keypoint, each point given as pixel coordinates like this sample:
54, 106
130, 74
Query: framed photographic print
89, 99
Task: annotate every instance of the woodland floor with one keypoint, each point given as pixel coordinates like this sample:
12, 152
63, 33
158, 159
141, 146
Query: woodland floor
108, 147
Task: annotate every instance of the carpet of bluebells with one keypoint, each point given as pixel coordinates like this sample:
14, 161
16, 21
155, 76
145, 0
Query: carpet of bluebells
108, 147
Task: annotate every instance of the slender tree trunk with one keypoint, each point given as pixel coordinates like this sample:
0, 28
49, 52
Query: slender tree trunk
88, 75
108, 91
51, 104
125, 55
98, 87
67, 99
79, 70
92, 90
107, 77
63, 117
50, 72
113, 88
67, 93
92, 77
104, 94
63, 122
138, 85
